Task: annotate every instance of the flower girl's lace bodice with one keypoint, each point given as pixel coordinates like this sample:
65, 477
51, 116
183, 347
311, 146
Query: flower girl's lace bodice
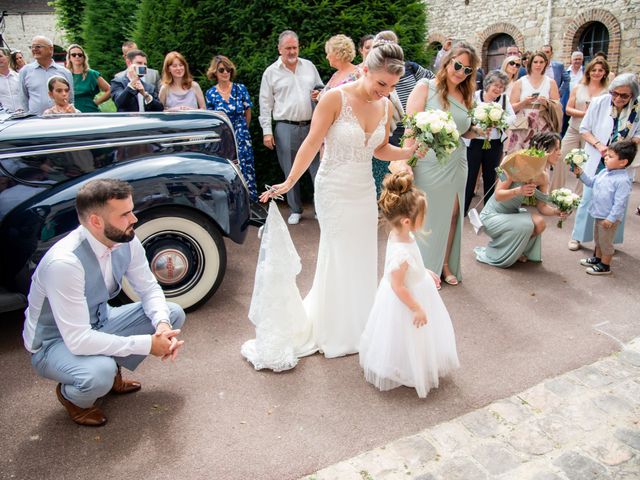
347, 142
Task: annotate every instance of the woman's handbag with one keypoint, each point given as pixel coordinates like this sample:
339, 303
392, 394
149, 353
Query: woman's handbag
521, 122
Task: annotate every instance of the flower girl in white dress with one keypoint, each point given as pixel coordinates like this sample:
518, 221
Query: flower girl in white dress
408, 339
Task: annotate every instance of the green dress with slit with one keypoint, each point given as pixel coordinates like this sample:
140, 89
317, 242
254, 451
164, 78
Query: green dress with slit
510, 228
442, 184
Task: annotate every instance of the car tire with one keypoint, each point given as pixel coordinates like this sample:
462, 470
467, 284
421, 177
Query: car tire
186, 253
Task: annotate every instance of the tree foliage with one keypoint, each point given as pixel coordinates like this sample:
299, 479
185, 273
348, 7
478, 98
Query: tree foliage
108, 23
70, 16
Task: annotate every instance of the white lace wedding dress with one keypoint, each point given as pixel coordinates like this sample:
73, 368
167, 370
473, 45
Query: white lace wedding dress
345, 281
336, 309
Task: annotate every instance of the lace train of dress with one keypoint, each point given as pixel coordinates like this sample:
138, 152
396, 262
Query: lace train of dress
283, 331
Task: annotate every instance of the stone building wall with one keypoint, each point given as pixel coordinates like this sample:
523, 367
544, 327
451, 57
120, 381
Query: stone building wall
479, 21
26, 19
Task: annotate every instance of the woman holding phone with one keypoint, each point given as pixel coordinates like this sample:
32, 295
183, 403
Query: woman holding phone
530, 99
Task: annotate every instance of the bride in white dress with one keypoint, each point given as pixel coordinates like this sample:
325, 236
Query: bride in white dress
353, 121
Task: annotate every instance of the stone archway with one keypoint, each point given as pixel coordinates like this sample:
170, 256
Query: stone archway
486, 36
581, 22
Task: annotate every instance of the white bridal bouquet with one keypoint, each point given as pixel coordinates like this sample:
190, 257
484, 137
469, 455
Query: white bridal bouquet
576, 158
565, 200
434, 129
489, 115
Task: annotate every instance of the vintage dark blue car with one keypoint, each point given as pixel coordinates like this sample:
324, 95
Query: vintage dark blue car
188, 192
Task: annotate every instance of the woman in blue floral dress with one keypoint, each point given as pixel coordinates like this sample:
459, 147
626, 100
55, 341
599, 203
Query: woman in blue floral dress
233, 99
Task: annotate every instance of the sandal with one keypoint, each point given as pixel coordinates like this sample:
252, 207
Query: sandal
450, 279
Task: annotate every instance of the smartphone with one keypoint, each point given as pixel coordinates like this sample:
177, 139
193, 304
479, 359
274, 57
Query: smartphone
141, 70
535, 94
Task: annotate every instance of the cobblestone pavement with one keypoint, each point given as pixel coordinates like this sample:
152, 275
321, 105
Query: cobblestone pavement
583, 425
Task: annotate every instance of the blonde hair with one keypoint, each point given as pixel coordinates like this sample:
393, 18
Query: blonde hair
468, 86
342, 47
385, 55
388, 35
85, 63
167, 78
401, 199
216, 61
511, 58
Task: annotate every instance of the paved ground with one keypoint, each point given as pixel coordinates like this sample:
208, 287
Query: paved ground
582, 425
210, 415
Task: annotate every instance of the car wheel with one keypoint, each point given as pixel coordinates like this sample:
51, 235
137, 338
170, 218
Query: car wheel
186, 254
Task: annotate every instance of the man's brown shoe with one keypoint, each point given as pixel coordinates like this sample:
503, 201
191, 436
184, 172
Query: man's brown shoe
89, 417
120, 385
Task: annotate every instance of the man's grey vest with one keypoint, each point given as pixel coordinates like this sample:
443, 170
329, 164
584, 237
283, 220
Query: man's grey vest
95, 291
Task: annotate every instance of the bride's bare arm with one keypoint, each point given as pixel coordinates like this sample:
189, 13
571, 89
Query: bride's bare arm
325, 114
391, 153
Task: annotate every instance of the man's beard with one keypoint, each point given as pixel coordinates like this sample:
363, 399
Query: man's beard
118, 236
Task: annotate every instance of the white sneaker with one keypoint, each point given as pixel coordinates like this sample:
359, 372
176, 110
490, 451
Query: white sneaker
573, 245
294, 218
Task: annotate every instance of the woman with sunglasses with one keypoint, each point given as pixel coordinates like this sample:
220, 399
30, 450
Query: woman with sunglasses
452, 90
87, 83
233, 99
511, 67
593, 84
179, 91
611, 117
530, 98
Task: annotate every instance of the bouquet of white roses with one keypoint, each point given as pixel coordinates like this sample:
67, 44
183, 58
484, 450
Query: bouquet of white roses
576, 158
489, 115
565, 200
434, 129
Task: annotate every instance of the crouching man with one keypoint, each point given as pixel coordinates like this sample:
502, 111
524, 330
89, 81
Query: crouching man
74, 336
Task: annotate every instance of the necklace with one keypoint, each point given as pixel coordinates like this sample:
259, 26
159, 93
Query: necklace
224, 91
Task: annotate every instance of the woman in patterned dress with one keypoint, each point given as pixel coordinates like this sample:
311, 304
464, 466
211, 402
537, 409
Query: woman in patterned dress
233, 99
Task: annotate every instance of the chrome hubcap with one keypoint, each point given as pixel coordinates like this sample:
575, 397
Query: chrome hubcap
169, 266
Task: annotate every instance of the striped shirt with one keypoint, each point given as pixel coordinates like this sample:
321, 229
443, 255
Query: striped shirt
413, 73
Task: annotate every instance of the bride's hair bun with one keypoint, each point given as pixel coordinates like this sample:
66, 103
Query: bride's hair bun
401, 199
386, 54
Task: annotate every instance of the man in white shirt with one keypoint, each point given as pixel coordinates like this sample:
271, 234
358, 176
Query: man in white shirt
576, 71
9, 85
289, 85
74, 336
35, 76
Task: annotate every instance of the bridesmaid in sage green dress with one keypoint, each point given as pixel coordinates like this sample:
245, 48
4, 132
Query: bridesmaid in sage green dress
452, 90
515, 232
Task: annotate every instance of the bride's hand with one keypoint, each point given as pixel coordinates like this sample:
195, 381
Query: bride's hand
275, 190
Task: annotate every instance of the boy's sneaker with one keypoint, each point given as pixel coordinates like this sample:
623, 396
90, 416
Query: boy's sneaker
589, 262
599, 269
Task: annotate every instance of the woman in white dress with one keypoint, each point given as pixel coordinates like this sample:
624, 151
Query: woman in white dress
353, 121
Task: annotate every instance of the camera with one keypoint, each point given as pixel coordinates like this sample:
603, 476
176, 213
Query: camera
141, 70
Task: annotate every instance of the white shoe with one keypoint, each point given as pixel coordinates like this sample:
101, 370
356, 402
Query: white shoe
573, 245
294, 218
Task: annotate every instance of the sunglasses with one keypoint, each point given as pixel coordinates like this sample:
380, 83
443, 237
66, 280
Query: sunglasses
457, 66
623, 96
514, 64
76, 55
223, 70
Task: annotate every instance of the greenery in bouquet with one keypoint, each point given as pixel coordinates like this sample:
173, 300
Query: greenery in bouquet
434, 129
576, 158
565, 200
489, 115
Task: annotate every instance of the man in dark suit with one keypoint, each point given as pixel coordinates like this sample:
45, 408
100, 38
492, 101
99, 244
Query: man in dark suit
557, 71
130, 92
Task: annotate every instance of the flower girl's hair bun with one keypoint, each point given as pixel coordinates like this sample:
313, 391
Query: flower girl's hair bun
386, 54
401, 199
